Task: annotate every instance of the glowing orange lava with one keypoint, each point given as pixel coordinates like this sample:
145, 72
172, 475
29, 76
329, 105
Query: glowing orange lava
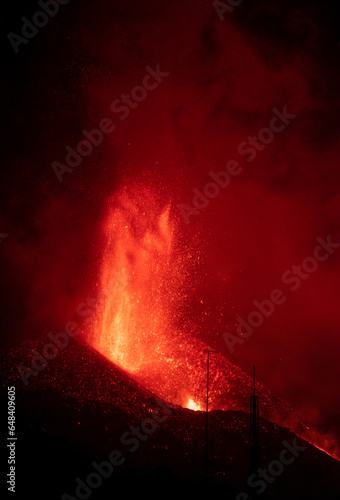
142, 276
191, 405
143, 279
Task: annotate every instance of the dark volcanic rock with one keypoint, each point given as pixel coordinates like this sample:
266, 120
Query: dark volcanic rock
80, 408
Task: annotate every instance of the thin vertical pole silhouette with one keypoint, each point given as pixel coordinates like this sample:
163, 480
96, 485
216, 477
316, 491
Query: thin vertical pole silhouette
254, 427
207, 420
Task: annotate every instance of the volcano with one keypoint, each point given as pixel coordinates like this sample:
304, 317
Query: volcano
122, 405
77, 409
145, 275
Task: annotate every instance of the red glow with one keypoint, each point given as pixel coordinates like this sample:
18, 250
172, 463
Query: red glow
143, 274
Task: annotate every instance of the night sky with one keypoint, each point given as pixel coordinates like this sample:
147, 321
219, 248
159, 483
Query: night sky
221, 81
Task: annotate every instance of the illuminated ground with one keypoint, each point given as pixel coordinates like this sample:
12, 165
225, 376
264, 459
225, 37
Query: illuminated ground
78, 407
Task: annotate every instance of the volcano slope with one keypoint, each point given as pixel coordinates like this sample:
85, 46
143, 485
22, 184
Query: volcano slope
81, 410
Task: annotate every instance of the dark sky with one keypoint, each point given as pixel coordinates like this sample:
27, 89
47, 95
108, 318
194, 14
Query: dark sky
225, 78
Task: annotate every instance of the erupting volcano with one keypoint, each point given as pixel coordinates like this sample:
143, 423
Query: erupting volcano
143, 356
170, 219
142, 278
145, 274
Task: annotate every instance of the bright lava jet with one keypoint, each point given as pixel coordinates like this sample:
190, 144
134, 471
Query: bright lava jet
145, 274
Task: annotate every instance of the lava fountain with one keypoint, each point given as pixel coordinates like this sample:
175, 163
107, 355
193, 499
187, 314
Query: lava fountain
144, 276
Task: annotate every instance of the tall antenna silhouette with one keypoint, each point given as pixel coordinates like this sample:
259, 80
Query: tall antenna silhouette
207, 421
254, 428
